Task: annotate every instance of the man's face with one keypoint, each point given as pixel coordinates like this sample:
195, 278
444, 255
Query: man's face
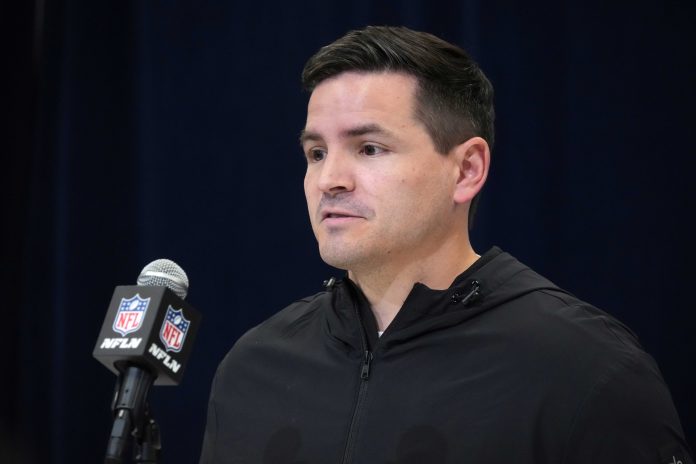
378, 192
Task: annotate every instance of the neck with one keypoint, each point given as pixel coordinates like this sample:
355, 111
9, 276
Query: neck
387, 285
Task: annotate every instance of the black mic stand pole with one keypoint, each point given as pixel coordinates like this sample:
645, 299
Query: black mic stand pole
132, 418
148, 445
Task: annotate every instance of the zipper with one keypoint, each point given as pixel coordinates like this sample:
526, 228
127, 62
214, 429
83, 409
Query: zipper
367, 360
365, 367
362, 394
362, 390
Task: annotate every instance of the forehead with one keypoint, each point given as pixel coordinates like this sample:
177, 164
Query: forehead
384, 98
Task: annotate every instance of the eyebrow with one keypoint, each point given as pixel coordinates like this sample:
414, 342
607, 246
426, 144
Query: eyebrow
357, 131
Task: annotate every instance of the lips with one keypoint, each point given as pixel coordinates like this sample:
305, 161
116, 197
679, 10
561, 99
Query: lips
330, 214
341, 209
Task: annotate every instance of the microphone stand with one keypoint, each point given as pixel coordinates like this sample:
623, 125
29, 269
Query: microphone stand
132, 419
148, 444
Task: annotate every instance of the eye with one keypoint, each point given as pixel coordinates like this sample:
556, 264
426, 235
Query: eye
315, 154
371, 150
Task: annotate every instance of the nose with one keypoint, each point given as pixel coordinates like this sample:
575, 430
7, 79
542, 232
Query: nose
335, 174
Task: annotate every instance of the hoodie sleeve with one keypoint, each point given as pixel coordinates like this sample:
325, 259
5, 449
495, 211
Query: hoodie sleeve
628, 416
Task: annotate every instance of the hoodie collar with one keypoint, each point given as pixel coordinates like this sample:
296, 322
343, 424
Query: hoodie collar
486, 284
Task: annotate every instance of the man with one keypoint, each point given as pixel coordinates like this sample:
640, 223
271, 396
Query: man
425, 352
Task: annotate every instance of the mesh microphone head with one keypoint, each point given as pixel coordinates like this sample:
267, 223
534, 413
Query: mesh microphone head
165, 273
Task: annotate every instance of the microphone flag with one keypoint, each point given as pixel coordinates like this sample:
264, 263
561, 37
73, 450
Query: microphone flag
148, 326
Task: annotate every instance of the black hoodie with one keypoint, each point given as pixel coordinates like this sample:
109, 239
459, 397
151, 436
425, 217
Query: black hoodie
502, 367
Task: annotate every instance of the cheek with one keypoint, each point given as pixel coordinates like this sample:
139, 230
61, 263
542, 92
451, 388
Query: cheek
310, 197
425, 191
307, 182
308, 186
419, 182
403, 197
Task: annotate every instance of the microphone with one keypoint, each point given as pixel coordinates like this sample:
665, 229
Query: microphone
146, 339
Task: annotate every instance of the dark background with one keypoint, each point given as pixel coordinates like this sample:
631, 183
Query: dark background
136, 130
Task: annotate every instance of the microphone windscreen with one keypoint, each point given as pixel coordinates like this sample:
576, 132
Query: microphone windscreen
165, 273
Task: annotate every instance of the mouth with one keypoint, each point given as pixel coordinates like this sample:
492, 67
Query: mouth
337, 215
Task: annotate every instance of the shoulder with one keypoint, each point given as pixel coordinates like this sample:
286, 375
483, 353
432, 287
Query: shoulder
619, 407
627, 415
256, 360
290, 319
529, 307
291, 323
554, 319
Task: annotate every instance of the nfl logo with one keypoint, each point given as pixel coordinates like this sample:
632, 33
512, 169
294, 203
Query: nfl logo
130, 315
174, 329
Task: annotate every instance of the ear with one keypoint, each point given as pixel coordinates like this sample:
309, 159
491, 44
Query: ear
473, 159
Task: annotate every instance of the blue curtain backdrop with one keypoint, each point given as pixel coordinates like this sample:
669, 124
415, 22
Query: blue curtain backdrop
149, 129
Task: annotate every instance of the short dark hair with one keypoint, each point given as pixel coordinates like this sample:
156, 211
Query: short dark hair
454, 99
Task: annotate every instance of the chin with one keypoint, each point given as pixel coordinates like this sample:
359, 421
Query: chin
335, 261
340, 257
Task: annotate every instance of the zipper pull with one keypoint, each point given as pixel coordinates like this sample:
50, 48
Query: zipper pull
367, 359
